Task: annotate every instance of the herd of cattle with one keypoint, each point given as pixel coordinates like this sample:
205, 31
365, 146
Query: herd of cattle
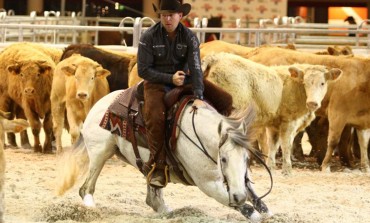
55, 89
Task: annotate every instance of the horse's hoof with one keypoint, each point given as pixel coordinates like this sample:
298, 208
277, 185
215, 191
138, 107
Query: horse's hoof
255, 217
267, 214
89, 200
164, 209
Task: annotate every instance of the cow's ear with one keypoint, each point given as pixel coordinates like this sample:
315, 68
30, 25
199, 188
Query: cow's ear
101, 72
69, 70
332, 51
14, 68
333, 74
296, 73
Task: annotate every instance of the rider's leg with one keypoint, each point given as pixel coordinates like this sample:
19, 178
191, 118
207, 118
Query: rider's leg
154, 115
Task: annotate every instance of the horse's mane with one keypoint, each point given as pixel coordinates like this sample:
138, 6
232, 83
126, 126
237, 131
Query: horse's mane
246, 118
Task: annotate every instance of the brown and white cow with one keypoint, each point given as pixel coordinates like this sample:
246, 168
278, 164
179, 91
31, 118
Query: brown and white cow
119, 64
285, 97
6, 125
26, 72
78, 83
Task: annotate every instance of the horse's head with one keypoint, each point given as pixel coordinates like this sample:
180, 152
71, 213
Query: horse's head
233, 155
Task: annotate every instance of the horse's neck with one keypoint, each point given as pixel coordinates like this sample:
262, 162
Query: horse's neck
206, 128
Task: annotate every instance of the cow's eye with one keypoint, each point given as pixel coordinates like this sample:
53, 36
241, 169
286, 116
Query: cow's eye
322, 84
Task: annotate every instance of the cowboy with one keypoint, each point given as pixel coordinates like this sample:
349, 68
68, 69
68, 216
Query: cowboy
168, 56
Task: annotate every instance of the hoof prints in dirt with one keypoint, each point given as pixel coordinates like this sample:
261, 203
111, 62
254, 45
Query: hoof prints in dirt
285, 218
68, 211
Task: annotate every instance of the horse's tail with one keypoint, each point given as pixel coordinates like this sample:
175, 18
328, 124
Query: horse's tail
72, 164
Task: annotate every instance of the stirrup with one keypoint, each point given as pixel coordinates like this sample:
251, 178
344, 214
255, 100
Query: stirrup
149, 176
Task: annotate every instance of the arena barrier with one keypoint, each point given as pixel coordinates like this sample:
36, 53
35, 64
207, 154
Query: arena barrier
64, 30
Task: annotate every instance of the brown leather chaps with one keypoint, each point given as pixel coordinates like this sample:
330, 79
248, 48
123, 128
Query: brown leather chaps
154, 116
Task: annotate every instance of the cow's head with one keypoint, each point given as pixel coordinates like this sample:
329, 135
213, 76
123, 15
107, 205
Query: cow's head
31, 75
85, 73
315, 80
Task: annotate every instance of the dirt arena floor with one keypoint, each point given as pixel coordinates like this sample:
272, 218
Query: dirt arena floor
307, 196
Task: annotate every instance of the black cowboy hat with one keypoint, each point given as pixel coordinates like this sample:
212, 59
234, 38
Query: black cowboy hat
172, 6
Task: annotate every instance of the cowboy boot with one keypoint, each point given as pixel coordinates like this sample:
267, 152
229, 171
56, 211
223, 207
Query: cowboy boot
158, 176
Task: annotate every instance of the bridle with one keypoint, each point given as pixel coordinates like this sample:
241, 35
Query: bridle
221, 143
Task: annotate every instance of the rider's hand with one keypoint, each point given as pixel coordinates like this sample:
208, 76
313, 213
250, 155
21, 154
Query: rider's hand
178, 78
198, 103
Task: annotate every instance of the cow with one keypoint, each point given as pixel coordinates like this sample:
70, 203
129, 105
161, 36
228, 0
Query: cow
285, 97
347, 100
119, 65
78, 83
26, 71
337, 51
6, 125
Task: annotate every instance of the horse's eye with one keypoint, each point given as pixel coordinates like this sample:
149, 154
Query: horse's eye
223, 159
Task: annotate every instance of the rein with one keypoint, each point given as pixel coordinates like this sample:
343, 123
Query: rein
202, 148
269, 172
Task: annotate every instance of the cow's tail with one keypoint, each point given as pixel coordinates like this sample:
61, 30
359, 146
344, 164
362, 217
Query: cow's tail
72, 164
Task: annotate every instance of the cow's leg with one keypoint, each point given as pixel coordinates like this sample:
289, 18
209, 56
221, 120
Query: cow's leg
35, 125
58, 113
273, 144
363, 141
336, 126
297, 147
287, 133
75, 118
25, 142
12, 142
154, 198
263, 141
48, 129
345, 145
7, 105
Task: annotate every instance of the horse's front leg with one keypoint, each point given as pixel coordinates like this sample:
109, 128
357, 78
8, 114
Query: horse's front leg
217, 190
249, 212
154, 198
258, 204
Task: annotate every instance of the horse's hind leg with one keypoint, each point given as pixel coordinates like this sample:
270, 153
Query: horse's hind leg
97, 161
154, 198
